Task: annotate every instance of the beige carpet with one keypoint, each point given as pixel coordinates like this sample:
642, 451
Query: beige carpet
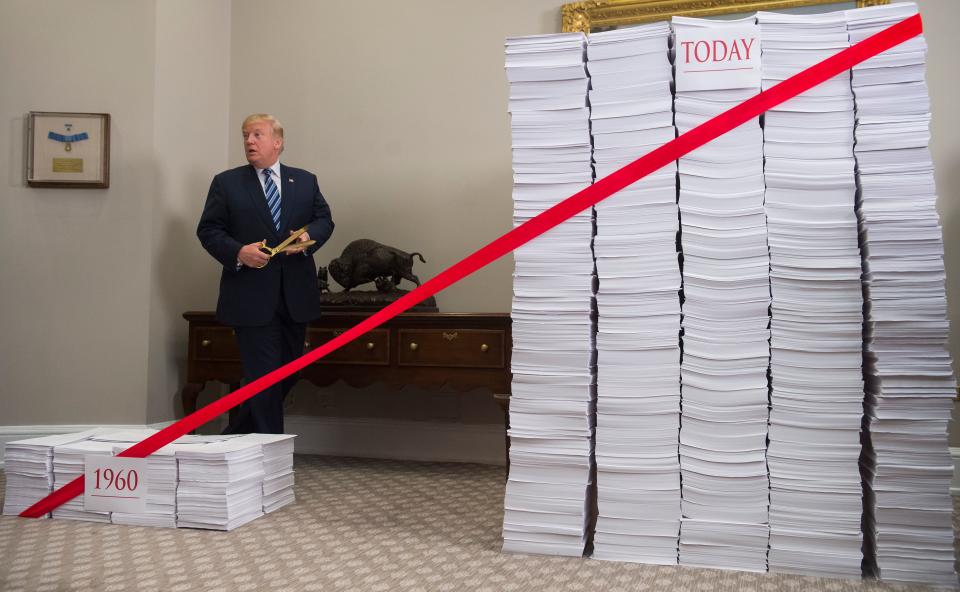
358, 524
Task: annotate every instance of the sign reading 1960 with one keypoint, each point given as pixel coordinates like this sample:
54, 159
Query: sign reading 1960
115, 484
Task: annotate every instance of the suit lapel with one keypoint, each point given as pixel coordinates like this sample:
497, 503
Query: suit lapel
288, 194
255, 190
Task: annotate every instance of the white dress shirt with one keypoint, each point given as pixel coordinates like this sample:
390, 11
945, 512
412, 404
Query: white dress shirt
275, 173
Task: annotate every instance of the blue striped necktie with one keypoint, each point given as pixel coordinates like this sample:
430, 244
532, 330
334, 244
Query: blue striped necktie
273, 197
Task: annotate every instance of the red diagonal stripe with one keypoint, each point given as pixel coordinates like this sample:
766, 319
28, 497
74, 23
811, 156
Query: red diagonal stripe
602, 189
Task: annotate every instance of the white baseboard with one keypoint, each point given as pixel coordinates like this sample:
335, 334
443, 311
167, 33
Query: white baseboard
363, 437
398, 439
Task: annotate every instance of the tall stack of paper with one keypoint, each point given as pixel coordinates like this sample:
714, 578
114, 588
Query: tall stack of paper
278, 476
910, 381
28, 467
552, 403
816, 347
725, 311
221, 484
638, 349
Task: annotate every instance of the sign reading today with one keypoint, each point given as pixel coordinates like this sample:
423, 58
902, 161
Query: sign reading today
115, 484
714, 58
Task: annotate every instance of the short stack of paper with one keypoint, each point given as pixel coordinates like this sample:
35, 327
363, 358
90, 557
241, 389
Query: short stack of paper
221, 484
725, 329
638, 349
910, 381
277, 469
552, 403
28, 468
816, 345
68, 464
161, 489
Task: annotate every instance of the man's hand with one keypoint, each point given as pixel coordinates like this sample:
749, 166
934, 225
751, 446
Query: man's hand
251, 255
295, 248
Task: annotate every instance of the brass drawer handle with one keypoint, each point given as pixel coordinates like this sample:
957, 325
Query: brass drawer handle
451, 336
370, 345
413, 346
205, 343
484, 348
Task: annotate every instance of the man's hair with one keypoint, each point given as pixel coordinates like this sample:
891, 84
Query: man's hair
257, 117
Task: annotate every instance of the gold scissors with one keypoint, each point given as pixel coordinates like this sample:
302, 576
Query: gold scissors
287, 244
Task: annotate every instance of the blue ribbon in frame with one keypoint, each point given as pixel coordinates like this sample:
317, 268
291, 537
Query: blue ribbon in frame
68, 139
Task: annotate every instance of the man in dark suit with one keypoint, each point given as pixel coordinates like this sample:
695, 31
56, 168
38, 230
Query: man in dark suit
268, 302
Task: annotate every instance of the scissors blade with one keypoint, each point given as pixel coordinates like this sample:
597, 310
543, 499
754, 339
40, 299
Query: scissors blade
302, 245
296, 234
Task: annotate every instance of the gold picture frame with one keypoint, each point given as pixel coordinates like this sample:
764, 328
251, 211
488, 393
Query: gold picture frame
69, 150
604, 14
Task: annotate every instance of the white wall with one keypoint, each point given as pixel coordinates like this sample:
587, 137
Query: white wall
74, 264
94, 280
191, 122
400, 109
940, 18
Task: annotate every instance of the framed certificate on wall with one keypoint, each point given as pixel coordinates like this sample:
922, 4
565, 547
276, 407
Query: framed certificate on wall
68, 149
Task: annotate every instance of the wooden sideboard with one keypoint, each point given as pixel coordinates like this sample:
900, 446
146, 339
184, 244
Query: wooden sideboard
463, 351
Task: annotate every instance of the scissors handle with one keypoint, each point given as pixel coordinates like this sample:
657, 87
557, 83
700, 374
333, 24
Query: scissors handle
285, 245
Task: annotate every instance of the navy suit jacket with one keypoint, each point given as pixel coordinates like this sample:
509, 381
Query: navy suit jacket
235, 215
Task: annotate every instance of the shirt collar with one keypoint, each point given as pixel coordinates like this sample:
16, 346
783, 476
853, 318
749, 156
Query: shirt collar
275, 170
